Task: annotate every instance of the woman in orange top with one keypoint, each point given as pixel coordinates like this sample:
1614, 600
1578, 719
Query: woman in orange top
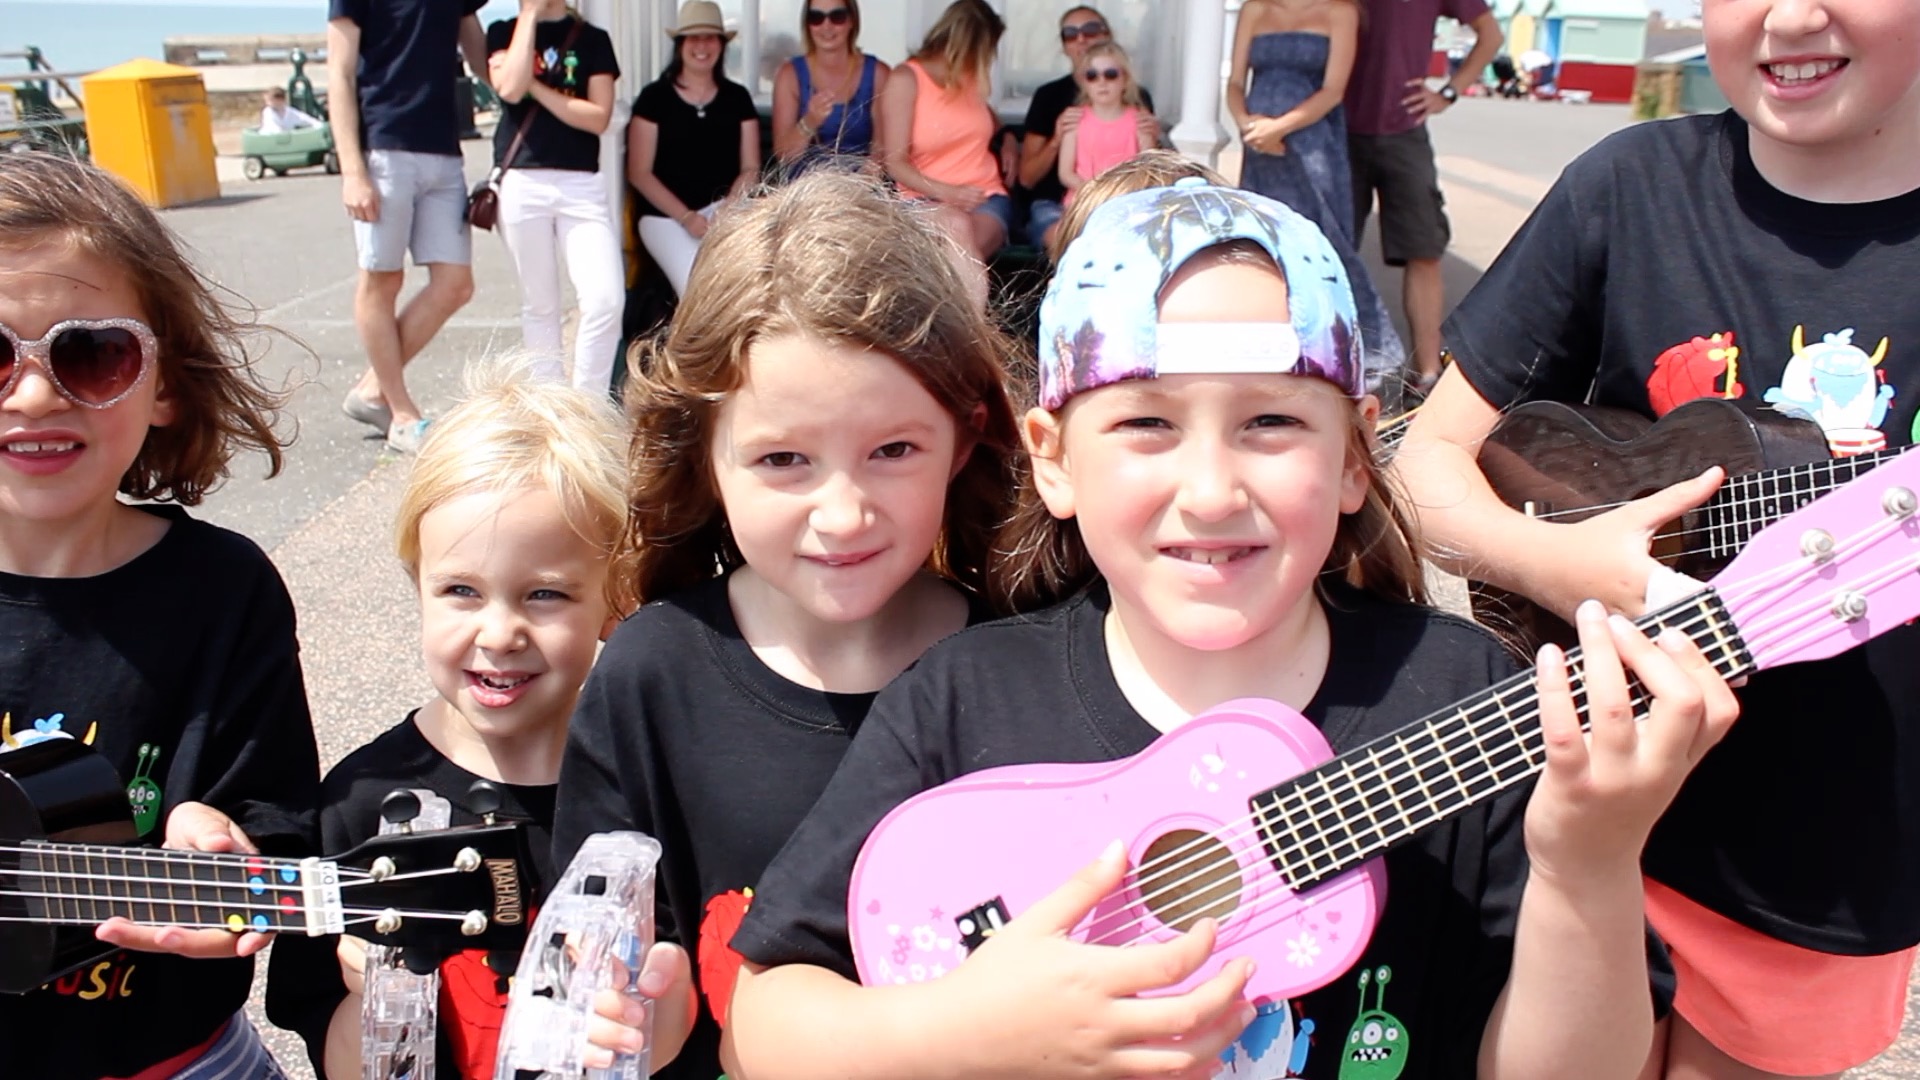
938, 128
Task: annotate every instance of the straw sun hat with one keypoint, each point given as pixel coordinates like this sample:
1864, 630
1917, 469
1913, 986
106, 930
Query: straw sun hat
700, 17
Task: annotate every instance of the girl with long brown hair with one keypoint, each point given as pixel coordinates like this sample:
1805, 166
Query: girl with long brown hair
821, 452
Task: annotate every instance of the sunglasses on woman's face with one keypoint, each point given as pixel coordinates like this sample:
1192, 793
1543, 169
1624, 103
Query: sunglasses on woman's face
837, 16
1094, 75
91, 362
1093, 29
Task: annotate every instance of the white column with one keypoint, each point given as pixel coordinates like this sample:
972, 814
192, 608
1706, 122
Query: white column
749, 45
1199, 134
629, 24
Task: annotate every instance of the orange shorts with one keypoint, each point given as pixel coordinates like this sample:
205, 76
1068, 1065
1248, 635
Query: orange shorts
1775, 1006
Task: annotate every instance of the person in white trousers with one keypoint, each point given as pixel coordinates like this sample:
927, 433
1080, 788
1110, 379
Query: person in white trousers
555, 72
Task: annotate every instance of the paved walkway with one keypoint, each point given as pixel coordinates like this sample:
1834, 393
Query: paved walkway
285, 246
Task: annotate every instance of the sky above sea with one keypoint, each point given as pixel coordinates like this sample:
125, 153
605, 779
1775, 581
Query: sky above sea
85, 35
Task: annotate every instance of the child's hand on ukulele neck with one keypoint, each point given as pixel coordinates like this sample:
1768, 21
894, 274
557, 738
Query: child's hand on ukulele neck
1603, 789
1605, 557
1053, 1007
191, 827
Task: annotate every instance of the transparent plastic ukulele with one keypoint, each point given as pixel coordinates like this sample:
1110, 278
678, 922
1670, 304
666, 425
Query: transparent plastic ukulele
595, 926
399, 1006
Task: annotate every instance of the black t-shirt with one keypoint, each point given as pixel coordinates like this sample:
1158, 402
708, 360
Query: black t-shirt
1041, 689
182, 669
697, 153
303, 984
553, 143
409, 61
677, 724
1803, 823
1049, 101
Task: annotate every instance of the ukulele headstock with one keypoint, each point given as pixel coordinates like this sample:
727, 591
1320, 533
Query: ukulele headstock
441, 890
1834, 573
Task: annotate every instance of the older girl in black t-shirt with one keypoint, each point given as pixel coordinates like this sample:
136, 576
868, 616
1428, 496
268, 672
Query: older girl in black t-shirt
555, 74
694, 140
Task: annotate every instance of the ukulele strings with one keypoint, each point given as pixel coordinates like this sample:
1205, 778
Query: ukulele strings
163, 857
1729, 487
134, 879
1758, 641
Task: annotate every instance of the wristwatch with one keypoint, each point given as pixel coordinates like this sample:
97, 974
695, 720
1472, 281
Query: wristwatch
1448, 94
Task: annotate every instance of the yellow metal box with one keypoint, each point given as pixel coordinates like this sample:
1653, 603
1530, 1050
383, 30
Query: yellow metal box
147, 123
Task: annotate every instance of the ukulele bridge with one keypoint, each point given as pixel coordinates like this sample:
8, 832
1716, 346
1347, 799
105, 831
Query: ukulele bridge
978, 923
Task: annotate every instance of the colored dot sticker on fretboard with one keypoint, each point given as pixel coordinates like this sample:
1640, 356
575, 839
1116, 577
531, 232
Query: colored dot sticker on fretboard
289, 875
260, 922
235, 922
258, 885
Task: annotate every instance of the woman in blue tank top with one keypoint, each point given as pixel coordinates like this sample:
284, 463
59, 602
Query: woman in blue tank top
824, 101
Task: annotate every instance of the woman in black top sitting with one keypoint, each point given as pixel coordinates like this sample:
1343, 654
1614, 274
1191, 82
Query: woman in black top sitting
555, 72
694, 140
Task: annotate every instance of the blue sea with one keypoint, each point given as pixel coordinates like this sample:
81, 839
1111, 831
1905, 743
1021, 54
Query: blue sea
84, 35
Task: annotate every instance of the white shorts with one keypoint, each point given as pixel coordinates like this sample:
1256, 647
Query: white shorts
423, 209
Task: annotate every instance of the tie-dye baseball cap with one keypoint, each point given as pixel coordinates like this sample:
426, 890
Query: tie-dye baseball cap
1099, 321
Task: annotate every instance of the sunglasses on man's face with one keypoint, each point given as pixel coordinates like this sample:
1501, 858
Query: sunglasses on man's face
91, 362
837, 16
1093, 29
1094, 75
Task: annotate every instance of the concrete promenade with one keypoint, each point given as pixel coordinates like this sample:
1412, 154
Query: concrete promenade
285, 246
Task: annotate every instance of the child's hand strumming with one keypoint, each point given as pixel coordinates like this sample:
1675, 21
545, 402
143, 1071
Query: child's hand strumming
1047, 1006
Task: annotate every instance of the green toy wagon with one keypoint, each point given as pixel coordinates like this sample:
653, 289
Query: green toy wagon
285, 150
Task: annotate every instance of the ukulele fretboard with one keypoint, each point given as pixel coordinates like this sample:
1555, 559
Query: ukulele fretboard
1333, 818
76, 883
1748, 503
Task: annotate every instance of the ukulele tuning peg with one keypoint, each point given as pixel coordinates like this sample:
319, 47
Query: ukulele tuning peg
399, 808
484, 799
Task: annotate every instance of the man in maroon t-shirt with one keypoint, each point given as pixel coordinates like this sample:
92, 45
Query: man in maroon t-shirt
1387, 103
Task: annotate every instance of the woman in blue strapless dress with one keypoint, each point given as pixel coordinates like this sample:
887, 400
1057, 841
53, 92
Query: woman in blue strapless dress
1294, 135
823, 101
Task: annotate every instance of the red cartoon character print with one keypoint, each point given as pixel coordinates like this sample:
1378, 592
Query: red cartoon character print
719, 964
1703, 367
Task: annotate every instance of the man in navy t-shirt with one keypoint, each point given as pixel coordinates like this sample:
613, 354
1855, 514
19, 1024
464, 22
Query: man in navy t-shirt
392, 66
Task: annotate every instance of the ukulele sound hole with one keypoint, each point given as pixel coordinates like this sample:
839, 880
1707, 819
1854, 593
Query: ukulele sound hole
1189, 876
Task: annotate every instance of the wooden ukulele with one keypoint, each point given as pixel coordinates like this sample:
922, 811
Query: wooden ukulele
64, 816
1562, 462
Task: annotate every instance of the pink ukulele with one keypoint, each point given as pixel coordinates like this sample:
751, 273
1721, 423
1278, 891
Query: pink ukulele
1245, 815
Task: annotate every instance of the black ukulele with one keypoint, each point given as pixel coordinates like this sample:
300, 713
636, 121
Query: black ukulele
1567, 462
64, 813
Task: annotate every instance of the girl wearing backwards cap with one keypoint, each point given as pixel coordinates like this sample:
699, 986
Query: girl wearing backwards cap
1208, 520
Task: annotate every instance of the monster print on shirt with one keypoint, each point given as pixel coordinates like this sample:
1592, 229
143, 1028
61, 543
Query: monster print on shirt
1838, 385
1702, 367
1833, 382
1274, 1046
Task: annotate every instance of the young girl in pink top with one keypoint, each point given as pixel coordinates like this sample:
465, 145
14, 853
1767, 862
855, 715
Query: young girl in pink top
1110, 131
